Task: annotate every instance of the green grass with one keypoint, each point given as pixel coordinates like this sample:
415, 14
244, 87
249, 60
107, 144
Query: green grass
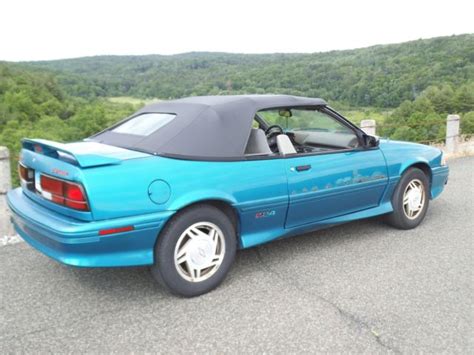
355, 115
131, 100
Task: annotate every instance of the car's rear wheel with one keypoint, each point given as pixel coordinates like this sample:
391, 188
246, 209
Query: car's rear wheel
195, 251
410, 200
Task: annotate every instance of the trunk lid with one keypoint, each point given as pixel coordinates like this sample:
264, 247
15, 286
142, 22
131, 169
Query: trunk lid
69, 162
83, 154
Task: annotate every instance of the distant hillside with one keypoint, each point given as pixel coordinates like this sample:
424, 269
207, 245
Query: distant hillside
409, 88
381, 76
32, 104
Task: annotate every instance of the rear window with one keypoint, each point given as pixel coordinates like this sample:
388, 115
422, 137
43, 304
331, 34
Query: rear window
145, 124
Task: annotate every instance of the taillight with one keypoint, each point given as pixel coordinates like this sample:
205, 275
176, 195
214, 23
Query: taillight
64, 193
74, 197
23, 172
27, 176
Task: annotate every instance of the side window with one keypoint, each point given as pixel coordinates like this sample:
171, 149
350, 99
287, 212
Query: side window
272, 117
311, 130
303, 120
317, 121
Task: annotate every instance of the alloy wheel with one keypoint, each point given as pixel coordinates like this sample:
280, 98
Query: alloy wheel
413, 199
199, 251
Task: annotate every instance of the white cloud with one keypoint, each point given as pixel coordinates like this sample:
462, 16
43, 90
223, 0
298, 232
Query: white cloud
48, 29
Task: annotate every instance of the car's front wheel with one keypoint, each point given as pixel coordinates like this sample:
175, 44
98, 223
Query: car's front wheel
195, 251
410, 200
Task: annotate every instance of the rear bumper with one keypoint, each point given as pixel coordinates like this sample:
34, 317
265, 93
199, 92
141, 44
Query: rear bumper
439, 180
78, 243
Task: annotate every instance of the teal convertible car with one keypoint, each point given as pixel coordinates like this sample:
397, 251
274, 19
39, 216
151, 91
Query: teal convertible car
181, 185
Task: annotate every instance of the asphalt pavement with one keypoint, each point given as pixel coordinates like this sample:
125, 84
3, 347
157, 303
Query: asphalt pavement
359, 287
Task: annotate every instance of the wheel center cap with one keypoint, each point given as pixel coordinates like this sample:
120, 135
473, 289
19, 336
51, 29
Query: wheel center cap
200, 252
414, 199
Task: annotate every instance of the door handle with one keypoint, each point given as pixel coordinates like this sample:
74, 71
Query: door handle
300, 168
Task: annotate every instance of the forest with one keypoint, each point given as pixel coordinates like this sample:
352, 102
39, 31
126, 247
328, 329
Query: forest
409, 88
379, 76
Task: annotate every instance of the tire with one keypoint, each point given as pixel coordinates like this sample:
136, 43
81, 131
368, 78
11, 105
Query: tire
182, 249
403, 216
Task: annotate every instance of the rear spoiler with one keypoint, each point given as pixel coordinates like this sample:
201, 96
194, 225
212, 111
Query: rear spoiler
74, 153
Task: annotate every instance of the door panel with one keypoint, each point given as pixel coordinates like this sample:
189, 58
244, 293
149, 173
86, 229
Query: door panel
330, 185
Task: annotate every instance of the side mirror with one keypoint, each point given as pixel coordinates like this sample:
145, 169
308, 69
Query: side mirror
371, 141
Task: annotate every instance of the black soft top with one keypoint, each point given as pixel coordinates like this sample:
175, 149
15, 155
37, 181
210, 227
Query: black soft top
204, 126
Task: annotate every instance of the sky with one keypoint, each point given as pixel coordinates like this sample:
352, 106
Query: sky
49, 29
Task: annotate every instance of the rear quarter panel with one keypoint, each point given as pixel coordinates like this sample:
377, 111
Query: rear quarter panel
121, 190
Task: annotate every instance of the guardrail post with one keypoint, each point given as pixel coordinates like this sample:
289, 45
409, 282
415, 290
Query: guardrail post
368, 126
452, 133
6, 228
